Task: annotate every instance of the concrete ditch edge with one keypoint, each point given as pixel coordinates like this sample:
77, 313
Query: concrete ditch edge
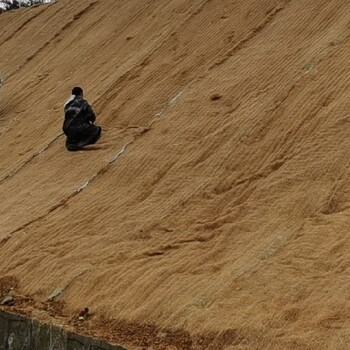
20, 333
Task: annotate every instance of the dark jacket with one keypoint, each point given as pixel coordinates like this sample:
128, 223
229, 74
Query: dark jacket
77, 116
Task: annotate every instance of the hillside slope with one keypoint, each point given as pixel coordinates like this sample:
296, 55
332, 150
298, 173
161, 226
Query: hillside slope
217, 201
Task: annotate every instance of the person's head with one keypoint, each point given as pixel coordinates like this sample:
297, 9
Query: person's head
78, 91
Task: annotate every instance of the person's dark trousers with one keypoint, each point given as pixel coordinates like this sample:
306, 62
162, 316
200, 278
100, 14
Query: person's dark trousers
83, 137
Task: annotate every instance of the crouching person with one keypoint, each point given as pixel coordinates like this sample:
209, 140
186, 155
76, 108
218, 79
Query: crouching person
79, 121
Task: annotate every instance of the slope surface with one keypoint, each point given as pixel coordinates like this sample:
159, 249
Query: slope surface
217, 201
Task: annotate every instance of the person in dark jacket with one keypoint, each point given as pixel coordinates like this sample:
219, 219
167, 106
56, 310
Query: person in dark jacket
79, 121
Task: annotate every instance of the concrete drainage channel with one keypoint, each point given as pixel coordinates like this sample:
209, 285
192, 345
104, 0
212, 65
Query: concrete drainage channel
20, 333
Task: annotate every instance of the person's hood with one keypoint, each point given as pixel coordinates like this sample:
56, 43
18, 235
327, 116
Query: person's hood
70, 99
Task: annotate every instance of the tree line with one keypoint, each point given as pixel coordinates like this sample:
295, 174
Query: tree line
7, 5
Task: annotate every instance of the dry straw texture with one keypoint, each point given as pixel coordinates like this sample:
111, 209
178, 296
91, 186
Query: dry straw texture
217, 201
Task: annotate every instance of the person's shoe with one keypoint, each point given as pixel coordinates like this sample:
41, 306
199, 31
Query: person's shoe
74, 147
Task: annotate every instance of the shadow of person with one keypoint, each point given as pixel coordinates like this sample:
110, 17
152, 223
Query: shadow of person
94, 147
